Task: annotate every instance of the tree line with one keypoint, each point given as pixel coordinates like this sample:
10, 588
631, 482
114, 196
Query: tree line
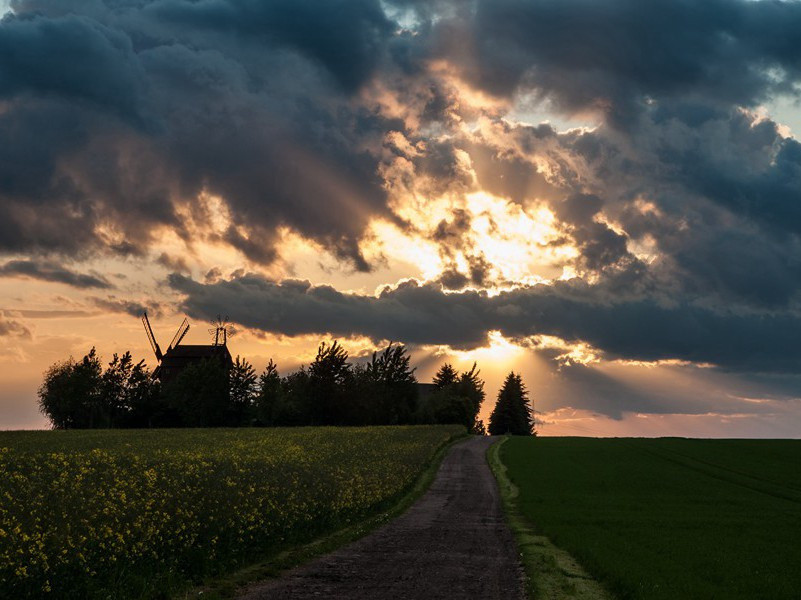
332, 390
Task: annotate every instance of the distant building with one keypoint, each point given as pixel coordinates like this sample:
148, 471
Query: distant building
177, 359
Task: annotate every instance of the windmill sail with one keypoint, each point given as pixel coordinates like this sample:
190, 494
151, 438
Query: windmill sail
179, 335
150, 337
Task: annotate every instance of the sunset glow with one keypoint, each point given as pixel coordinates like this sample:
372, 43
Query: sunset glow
624, 234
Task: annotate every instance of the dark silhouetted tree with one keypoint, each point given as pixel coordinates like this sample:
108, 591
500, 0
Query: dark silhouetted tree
294, 405
445, 377
199, 396
471, 387
328, 376
268, 396
242, 390
512, 413
70, 394
456, 398
126, 388
391, 386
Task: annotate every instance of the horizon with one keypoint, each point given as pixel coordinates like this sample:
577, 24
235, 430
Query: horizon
542, 188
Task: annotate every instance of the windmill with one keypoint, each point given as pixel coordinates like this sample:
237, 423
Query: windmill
183, 328
179, 356
222, 330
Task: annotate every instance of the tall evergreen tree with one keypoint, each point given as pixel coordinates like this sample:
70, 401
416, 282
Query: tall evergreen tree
446, 376
512, 413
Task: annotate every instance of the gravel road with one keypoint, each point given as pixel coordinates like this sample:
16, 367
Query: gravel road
452, 543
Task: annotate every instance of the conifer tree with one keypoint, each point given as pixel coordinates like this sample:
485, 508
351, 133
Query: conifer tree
445, 377
512, 413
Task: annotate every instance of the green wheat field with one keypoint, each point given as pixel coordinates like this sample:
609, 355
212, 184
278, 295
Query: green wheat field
668, 518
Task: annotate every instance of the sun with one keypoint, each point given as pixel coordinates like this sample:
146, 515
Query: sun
499, 350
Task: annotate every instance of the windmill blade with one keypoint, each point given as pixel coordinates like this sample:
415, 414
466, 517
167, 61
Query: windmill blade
150, 337
179, 335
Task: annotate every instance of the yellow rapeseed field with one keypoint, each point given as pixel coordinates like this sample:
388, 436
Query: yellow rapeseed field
113, 514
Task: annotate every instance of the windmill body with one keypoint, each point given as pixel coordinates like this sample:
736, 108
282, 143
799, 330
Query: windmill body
179, 356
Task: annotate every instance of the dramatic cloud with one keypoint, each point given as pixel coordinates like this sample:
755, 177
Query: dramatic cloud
636, 329
48, 271
609, 173
615, 55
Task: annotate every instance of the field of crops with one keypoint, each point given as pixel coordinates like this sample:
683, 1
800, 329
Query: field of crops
134, 513
669, 518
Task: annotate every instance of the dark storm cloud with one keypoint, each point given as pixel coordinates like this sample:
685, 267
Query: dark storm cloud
146, 103
347, 37
615, 54
48, 271
641, 329
140, 105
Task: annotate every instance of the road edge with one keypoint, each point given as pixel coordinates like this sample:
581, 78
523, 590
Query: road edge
230, 585
550, 572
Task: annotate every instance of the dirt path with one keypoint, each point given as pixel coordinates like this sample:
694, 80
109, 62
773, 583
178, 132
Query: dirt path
452, 543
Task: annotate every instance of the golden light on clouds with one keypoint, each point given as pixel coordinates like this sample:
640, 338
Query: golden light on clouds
568, 353
519, 246
498, 350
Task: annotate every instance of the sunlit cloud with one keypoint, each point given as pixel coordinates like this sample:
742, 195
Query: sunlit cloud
464, 175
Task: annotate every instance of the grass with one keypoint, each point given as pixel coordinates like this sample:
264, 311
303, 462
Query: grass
668, 518
148, 514
551, 573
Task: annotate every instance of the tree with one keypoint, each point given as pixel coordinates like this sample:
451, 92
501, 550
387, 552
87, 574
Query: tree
456, 398
512, 413
445, 377
294, 405
391, 386
199, 396
268, 395
242, 391
471, 387
70, 393
126, 390
328, 375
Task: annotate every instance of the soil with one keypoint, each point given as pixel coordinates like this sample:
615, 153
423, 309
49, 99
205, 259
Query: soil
452, 543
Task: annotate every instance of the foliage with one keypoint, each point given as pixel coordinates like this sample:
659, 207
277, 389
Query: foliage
199, 396
124, 514
328, 376
512, 413
445, 376
661, 519
70, 393
391, 387
457, 398
331, 391
268, 395
127, 393
242, 390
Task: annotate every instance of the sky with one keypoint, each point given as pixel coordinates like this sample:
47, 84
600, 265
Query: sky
603, 195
